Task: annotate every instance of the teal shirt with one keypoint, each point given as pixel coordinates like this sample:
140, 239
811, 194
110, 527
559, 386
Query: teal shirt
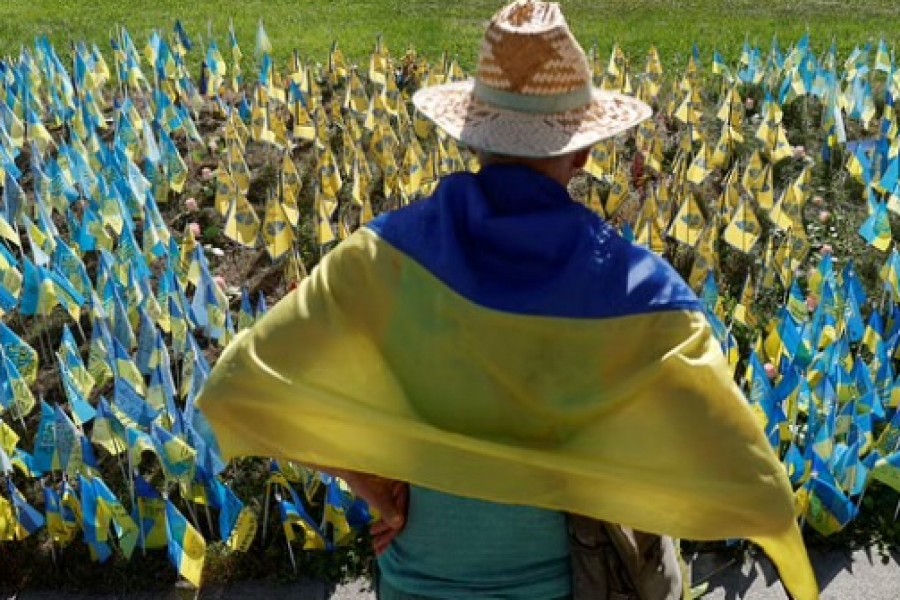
455, 547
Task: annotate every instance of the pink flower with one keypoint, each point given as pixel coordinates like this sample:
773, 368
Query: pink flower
812, 302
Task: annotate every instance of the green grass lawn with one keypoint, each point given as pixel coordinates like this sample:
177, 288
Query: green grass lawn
432, 26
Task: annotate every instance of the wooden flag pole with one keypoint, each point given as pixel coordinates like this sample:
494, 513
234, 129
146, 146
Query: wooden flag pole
266, 514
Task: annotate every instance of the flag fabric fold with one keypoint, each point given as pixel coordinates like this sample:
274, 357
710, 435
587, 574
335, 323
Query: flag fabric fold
499, 341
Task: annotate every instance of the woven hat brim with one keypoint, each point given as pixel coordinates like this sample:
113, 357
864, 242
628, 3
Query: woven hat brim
454, 108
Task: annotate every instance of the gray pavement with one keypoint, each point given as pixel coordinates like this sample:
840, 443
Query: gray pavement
859, 575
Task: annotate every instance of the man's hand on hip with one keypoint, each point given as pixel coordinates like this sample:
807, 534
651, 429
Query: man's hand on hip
390, 498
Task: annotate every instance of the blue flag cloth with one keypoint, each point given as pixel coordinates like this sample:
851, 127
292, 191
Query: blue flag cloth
132, 404
33, 279
29, 518
228, 505
81, 408
45, 440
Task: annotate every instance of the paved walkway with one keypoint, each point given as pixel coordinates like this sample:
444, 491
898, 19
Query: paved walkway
848, 575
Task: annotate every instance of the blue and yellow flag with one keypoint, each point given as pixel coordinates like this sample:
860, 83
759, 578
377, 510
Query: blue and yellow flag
22, 355
187, 548
45, 454
149, 513
877, 228
62, 525
107, 431
502, 342
337, 503
178, 458
15, 393
827, 508
70, 356
112, 511
293, 514
28, 520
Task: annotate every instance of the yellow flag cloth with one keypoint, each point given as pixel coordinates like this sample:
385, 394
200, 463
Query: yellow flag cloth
410, 354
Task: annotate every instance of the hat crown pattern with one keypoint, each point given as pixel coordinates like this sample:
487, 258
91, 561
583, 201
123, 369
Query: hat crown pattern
528, 49
533, 92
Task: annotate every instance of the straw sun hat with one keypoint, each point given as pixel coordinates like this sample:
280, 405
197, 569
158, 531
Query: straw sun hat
532, 94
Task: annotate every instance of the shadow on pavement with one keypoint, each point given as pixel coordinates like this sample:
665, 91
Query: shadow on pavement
842, 575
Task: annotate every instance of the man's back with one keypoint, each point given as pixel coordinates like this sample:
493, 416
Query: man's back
506, 238
507, 274
454, 547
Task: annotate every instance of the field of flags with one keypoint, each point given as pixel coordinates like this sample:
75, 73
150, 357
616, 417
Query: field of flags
111, 317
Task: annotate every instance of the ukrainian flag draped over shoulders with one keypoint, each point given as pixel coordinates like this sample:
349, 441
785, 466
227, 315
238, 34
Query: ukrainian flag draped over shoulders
500, 341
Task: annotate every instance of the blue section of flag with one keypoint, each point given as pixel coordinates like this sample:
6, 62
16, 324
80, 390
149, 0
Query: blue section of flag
511, 239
